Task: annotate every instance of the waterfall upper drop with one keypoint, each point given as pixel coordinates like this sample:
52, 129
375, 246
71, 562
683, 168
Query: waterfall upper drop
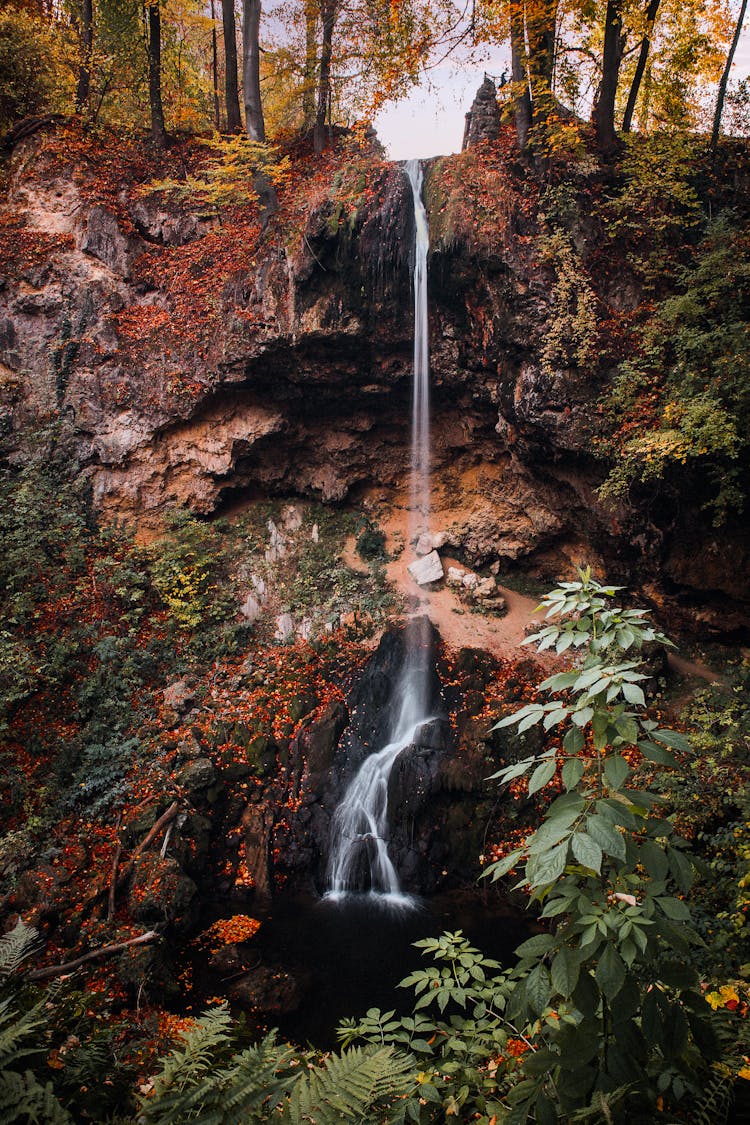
420, 419
359, 859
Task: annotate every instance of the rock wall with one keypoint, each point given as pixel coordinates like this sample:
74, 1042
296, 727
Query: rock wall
288, 370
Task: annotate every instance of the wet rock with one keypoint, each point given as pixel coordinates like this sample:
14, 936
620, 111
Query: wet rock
427, 569
197, 775
320, 739
161, 893
180, 697
271, 991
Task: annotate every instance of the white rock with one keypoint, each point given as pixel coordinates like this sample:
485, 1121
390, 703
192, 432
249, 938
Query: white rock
427, 569
470, 580
250, 608
486, 588
439, 539
455, 576
424, 544
315, 533
305, 629
276, 540
284, 628
259, 585
292, 518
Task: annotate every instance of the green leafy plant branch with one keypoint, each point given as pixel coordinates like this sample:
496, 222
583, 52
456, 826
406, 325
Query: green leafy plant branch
609, 874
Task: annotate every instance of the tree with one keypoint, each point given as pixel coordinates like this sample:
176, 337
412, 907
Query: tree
234, 121
158, 130
83, 90
323, 98
640, 68
725, 78
603, 114
254, 123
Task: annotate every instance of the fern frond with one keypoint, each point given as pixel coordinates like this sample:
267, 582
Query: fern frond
24, 1099
16, 1029
715, 1103
15, 947
352, 1087
258, 1081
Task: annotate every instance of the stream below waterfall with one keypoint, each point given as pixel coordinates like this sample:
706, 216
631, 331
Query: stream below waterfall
351, 956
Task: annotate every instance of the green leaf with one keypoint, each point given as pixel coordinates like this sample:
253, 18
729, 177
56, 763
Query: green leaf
542, 775
674, 739
681, 868
548, 867
536, 946
503, 866
587, 851
559, 682
508, 773
610, 972
573, 741
582, 717
539, 1062
656, 753
538, 989
674, 908
634, 694
616, 769
606, 836
653, 859
572, 772
565, 971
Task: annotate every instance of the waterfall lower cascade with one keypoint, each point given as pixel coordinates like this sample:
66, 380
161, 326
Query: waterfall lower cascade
359, 859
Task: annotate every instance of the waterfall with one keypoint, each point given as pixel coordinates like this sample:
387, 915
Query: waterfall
359, 831
420, 415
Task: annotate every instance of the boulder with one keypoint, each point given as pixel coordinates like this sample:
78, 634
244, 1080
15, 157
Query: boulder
250, 608
427, 569
284, 628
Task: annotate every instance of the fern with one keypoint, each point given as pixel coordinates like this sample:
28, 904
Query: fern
352, 1086
191, 1088
22, 1097
714, 1104
15, 947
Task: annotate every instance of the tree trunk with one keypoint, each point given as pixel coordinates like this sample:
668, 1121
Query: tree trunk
311, 64
541, 19
254, 124
215, 68
83, 89
323, 101
521, 98
158, 132
603, 114
725, 79
640, 66
234, 121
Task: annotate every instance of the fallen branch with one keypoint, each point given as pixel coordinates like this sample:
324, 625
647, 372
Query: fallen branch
94, 954
165, 819
115, 865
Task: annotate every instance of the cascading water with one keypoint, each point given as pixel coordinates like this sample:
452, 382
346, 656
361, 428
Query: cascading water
359, 831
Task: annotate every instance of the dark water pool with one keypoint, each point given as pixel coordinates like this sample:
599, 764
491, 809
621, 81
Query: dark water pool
350, 956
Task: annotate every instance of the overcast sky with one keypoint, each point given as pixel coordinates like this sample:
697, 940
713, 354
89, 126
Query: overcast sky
431, 121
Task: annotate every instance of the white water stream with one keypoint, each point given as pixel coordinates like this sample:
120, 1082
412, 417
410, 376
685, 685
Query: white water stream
359, 830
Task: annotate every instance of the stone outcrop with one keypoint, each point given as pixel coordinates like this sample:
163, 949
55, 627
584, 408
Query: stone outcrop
293, 377
483, 119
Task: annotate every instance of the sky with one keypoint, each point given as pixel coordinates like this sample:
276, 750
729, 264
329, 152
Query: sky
430, 122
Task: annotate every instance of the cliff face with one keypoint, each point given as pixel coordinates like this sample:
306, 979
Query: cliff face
196, 358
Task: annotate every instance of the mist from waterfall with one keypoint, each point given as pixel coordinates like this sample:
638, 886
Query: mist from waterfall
359, 830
